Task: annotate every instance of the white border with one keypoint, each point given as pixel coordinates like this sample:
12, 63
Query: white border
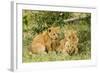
17, 37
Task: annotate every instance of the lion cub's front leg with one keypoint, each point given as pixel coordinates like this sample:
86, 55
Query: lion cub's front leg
48, 48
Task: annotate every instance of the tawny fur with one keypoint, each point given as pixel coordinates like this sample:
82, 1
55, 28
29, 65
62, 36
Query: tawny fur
42, 42
69, 44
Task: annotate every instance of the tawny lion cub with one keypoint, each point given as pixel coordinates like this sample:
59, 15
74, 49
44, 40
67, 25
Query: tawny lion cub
42, 42
69, 44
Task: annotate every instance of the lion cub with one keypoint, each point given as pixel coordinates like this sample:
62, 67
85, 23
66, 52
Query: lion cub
42, 42
69, 44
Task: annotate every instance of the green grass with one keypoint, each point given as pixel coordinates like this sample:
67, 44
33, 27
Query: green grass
56, 57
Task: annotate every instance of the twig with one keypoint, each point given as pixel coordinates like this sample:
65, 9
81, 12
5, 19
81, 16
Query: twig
75, 18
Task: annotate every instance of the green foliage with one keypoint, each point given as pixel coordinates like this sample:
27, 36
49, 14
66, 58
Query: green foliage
35, 22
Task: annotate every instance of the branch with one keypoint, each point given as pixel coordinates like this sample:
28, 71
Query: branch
75, 18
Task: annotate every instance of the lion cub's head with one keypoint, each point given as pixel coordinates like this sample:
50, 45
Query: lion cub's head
72, 36
53, 32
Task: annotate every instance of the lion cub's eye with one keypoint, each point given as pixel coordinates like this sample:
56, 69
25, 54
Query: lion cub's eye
54, 34
49, 30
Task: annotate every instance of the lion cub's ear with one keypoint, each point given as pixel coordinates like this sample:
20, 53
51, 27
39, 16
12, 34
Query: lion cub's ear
57, 28
54, 29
